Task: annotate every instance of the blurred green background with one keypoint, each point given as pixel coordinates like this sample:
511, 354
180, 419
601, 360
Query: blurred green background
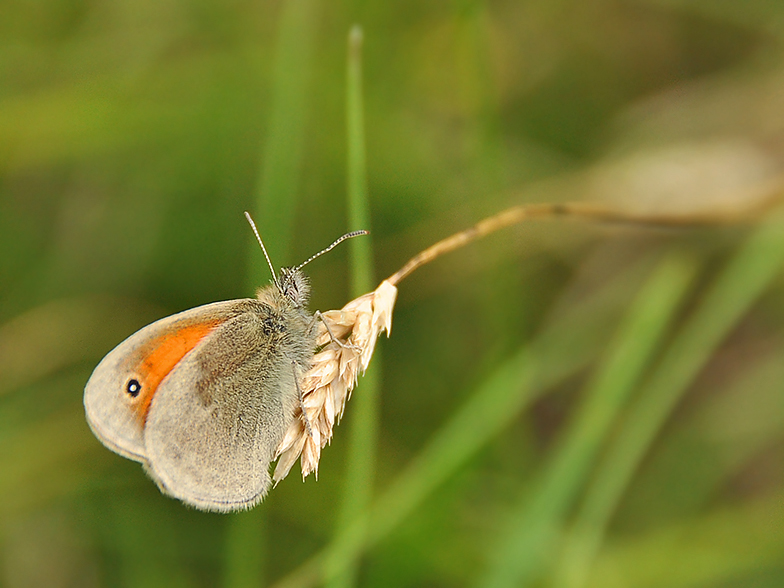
560, 405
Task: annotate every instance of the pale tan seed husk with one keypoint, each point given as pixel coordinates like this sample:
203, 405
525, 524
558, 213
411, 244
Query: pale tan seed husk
327, 385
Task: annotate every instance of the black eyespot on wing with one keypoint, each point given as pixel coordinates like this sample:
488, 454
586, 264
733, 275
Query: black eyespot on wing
133, 387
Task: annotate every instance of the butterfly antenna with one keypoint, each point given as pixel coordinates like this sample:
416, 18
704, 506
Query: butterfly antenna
340, 240
264, 249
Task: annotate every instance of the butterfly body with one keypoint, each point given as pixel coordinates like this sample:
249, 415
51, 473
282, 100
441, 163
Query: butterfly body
203, 398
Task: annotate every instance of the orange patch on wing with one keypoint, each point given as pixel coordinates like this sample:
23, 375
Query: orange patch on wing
162, 355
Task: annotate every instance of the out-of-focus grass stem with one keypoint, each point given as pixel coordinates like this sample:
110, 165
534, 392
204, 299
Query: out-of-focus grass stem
340, 568
735, 290
533, 525
274, 211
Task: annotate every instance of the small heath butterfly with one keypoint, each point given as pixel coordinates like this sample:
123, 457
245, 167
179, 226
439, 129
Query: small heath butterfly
204, 397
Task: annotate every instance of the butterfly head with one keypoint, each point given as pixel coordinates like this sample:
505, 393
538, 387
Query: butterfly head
294, 285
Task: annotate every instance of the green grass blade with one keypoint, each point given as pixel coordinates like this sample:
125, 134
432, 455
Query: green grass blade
495, 404
245, 547
283, 153
245, 542
340, 570
734, 291
736, 546
362, 279
492, 407
534, 523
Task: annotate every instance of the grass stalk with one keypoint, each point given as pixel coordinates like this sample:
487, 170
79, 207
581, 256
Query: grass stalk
487, 411
534, 523
743, 280
341, 568
275, 207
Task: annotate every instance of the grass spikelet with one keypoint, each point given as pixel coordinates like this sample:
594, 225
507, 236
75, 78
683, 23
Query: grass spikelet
347, 338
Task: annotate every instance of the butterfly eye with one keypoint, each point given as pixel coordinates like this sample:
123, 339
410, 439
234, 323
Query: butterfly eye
294, 285
292, 292
133, 387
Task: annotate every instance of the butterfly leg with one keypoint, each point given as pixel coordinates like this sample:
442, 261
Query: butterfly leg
319, 316
305, 418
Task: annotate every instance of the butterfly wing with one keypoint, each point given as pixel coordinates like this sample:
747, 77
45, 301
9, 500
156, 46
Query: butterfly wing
216, 420
119, 393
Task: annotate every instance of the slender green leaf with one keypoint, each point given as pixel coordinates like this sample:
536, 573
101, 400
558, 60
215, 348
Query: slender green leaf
364, 411
734, 291
496, 403
535, 522
278, 194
